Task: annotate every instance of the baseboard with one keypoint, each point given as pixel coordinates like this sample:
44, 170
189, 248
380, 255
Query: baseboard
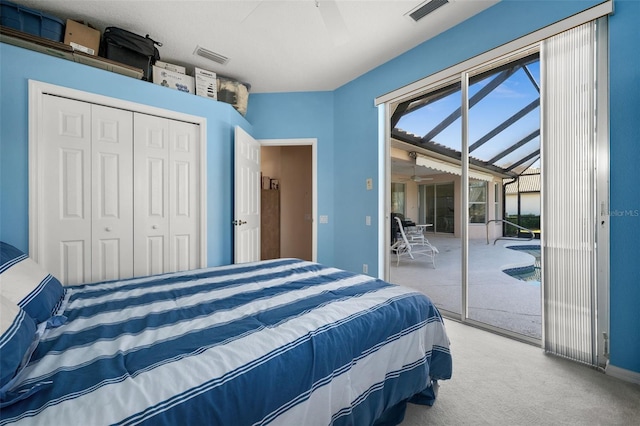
621, 373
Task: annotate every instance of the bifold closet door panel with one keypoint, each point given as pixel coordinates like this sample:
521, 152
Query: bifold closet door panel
166, 195
65, 189
151, 189
119, 192
112, 193
184, 190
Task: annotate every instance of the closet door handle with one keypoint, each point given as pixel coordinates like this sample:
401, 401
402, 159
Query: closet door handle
108, 229
154, 227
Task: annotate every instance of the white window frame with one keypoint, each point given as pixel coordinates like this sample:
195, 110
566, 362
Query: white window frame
484, 186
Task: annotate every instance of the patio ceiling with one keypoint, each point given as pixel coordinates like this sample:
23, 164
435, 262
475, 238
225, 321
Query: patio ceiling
504, 123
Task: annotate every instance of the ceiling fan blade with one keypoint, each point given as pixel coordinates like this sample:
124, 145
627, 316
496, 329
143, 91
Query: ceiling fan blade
333, 21
417, 179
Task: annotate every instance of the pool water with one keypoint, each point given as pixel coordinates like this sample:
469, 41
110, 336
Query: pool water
531, 274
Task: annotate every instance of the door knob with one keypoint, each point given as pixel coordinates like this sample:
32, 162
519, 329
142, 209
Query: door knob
108, 229
154, 227
239, 222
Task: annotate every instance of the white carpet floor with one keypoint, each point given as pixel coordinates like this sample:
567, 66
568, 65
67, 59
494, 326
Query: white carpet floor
499, 381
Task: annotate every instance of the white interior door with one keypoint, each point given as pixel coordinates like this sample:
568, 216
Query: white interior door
151, 204
112, 193
66, 173
247, 198
184, 190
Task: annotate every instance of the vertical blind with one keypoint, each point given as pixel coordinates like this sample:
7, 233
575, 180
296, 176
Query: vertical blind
568, 176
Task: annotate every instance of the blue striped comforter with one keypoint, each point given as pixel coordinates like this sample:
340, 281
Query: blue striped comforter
276, 342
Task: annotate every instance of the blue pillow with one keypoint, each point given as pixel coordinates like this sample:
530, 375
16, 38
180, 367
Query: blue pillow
26, 284
18, 335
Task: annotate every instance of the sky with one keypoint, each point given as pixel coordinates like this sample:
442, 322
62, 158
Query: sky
505, 100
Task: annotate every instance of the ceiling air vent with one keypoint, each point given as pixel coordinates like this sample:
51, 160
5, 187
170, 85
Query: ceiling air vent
426, 8
210, 55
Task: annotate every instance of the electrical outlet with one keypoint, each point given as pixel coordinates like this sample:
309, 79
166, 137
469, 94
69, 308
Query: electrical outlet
367, 220
369, 183
365, 268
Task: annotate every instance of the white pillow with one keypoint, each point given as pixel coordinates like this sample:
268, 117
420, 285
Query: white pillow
18, 334
26, 284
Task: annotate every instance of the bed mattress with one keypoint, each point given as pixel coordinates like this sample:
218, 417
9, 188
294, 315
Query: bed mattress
275, 342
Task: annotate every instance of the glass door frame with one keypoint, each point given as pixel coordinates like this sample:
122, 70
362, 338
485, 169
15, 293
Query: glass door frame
466, 77
463, 78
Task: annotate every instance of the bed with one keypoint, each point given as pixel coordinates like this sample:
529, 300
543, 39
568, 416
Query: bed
283, 341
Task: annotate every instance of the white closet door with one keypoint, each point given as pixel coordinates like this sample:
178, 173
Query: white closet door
112, 193
66, 194
151, 201
184, 190
120, 192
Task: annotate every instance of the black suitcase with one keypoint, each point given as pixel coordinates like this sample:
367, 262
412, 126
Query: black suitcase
131, 49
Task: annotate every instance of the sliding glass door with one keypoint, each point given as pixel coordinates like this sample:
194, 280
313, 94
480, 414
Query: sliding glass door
437, 207
516, 150
503, 143
433, 120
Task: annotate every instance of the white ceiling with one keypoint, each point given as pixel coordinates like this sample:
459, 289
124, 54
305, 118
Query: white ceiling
274, 45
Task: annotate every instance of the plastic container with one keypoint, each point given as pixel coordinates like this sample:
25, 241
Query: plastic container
234, 92
31, 21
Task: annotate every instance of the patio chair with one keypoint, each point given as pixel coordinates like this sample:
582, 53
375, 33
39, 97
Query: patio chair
413, 247
415, 235
395, 232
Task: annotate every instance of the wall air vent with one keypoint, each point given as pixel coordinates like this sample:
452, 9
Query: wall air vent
210, 55
426, 8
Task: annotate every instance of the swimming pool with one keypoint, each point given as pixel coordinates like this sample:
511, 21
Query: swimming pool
532, 274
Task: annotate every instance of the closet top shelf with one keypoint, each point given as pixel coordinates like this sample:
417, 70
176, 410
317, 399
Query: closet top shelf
61, 50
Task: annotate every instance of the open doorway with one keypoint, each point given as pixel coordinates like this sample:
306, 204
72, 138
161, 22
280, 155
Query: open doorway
287, 201
247, 194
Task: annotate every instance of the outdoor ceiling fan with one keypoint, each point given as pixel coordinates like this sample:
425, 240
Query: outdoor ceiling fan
417, 178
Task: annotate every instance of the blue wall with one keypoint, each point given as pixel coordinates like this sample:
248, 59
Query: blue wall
624, 95
18, 65
356, 140
303, 115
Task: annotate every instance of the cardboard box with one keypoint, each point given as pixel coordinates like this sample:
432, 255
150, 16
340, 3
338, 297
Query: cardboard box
206, 83
82, 37
174, 80
171, 67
